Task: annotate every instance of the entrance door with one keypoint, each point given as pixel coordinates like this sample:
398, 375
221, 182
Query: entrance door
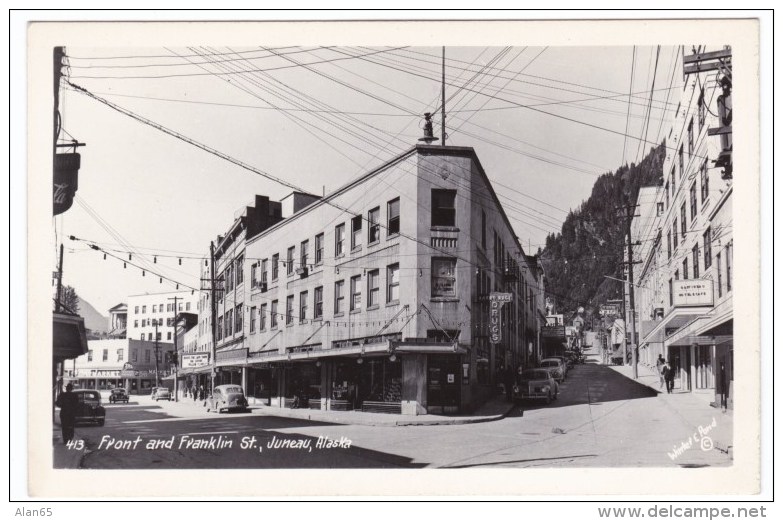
443, 384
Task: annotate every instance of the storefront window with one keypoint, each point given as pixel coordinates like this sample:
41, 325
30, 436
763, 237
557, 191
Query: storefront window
444, 278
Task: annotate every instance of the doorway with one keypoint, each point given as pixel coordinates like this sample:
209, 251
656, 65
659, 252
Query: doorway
443, 384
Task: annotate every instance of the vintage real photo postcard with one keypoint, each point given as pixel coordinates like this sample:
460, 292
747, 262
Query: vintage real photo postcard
451, 257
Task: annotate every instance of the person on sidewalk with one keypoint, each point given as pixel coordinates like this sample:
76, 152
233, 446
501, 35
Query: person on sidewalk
194, 393
668, 376
508, 383
68, 402
659, 368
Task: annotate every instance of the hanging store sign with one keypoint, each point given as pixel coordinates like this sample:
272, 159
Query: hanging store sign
192, 361
66, 180
496, 301
694, 292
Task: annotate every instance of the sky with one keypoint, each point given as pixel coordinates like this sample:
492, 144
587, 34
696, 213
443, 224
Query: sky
544, 121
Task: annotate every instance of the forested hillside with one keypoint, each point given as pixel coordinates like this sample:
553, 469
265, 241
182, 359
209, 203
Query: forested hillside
590, 243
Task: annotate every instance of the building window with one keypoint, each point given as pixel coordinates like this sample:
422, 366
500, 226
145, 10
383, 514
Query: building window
373, 288
289, 310
302, 307
683, 221
303, 253
676, 274
229, 277
253, 319
339, 239
729, 252
289, 267
690, 138
393, 216
253, 275
659, 209
275, 266
273, 315
219, 330
356, 292
229, 323
444, 277
393, 283
158, 336
339, 296
667, 193
681, 161
705, 182
374, 227
695, 252
136, 310
685, 269
675, 240
720, 275
693, 202
238, 319
702, 110
168, 335
318, 307
170, 322
319, 248
147, 356
143, 310
707, 249
356, 232
105, 355
262, 318
142, 337
134, 356
263, 271
671, 292
135, 323
89, 353
187, 306
443, 210
240, 269
674, 184
154, 308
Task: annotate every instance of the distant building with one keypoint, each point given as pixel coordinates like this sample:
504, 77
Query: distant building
118, 321
146, 311
684, 240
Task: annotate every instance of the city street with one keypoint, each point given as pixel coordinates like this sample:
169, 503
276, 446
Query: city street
601, 418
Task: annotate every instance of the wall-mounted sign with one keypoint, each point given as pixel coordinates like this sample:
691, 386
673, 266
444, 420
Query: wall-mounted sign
496, 301
694, 292
555, 331
194, 360
66, 180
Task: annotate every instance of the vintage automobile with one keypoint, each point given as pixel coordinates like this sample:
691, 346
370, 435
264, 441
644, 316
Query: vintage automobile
118, 394
564, 361
162, 393
229, 397
90, 409
535, 384
555, 366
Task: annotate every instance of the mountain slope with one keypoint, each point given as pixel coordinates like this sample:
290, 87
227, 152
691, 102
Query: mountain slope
93, 320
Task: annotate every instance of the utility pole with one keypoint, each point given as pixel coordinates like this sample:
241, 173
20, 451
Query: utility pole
157, 376
175, 358
631, 317
58, 305
443, 99
213, 310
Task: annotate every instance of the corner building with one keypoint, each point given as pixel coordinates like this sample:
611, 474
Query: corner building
377, 297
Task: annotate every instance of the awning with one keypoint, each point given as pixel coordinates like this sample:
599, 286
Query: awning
69, 338
702, 340
428, 348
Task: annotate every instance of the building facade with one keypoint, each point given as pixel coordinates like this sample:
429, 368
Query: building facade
118, 321
683, 237
153, 314
404, 291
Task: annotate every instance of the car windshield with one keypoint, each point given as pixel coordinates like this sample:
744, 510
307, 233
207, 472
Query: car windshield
535, 375
232, 390
550, 363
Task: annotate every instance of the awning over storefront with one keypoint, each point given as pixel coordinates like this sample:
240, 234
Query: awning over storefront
428, 348
69, 338
702, 340
231, 357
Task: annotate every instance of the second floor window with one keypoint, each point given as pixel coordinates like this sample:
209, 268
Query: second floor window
120, 355
275, 266
339, 297
89, 353
373, 288
303, 253
289, 310
253, 319
356, 292
444, 277
273, 315
443, 211
238, 319
393, 283
318, 301
302, 307
253, 275
262, 318
374, 229
289, 266
319, 248
693, 202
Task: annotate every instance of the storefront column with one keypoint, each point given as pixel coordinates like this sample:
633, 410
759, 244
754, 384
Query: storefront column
414, 384
325, 391
244, 380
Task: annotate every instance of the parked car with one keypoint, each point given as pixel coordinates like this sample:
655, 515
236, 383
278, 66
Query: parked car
556, 366
162, 393
536, 384
118, 394
564, 360
152, 392
229, 397
90, 409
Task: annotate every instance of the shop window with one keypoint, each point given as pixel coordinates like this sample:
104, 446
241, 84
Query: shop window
373, 288
356, 292
393, 283
356, 232
289, 261
339, 239
273, 315
262, 318
319, 248
443, 209
302, 307
707, 249
275, 266
393, 216
444, 277
289, 310
339, 297
318, 302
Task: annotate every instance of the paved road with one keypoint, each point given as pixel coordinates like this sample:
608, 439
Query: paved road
601, 419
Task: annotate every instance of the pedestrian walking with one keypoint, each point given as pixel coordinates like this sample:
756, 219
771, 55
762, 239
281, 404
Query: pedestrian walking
668, 376
201, 392
508, 383
724, 390
193, 392
659, 368
68, 402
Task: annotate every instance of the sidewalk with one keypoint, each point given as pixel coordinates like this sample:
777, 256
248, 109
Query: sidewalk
694, 407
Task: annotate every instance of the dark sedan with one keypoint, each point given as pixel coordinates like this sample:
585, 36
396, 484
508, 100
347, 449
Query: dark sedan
89, 409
